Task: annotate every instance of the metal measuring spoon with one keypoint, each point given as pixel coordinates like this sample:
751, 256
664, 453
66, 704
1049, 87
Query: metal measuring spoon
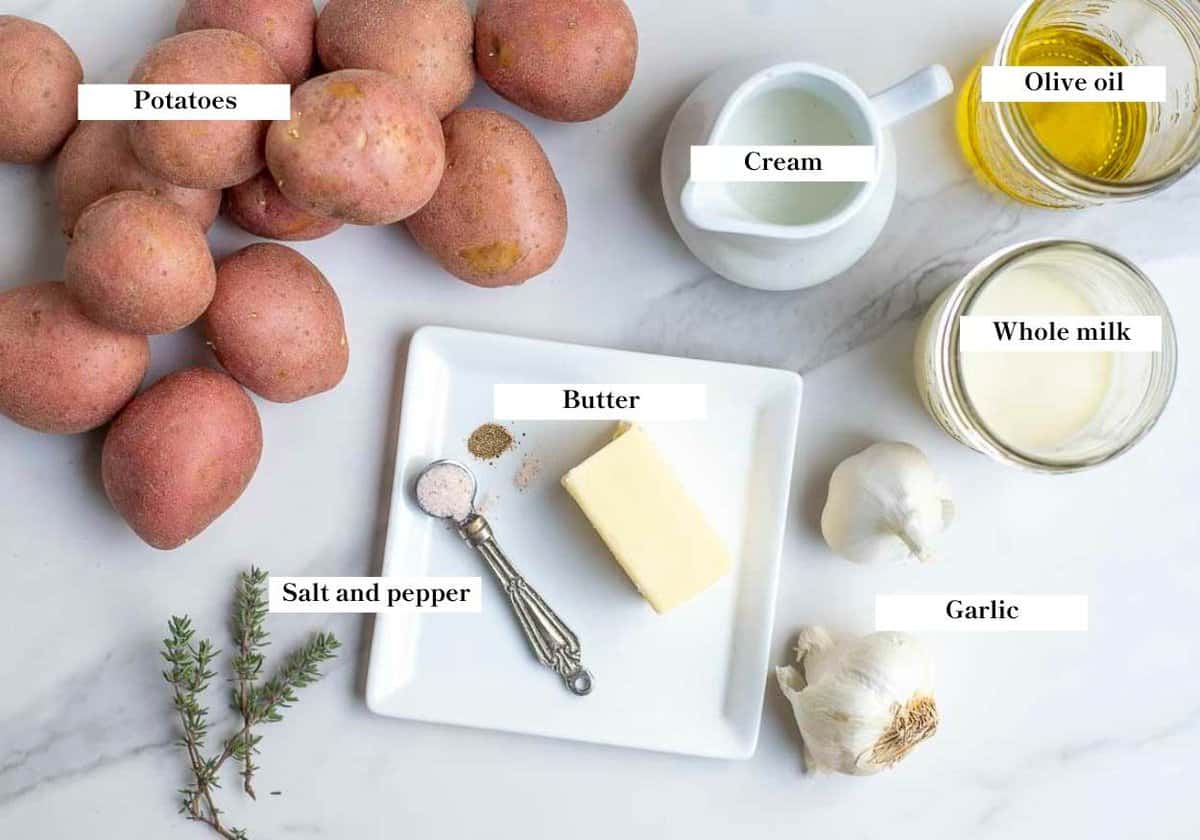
446, 490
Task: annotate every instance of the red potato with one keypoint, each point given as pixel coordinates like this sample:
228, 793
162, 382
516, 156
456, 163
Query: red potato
38, 76
59, 371
360, 147
203, 154
140, 264
180, 455
283, 27
499, 216
259, 207
98, 161
276, 324
566, 60
425, 43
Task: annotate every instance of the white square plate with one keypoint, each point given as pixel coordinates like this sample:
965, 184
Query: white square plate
690, 681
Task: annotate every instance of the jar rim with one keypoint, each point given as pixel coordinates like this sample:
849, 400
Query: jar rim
1021, 140
965, 293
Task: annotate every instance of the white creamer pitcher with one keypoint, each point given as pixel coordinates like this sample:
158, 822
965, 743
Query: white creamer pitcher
757, 249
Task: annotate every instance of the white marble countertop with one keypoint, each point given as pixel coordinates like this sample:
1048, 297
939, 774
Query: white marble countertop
1043, 736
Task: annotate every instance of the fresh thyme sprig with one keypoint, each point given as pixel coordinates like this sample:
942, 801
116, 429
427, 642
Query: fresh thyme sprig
189, 673
249, 612
279, 692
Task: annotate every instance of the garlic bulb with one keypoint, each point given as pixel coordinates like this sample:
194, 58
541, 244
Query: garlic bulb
861, 705
885, 504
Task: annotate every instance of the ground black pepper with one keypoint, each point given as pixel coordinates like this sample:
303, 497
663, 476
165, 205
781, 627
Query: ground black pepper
489, 441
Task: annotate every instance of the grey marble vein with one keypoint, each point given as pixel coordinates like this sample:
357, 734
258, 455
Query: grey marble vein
65, 774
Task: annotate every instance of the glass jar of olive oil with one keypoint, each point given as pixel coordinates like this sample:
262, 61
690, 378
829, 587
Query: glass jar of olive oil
1079, 154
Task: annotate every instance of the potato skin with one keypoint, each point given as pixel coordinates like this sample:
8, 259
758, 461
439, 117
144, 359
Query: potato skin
425, 43
565, 60
276, 324
499, 216
98, 161
204, 154
259, 207
360, 147
59, 371
180, 455
283, 27
140, 264
38, 75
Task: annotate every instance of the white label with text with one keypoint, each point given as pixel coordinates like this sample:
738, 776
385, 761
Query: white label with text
373, 594
986, 613
783, 163
1074, 84
1067, 334
600, 402
185, 102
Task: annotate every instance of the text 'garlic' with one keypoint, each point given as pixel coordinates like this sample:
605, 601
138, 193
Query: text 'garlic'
861, 705
885, 504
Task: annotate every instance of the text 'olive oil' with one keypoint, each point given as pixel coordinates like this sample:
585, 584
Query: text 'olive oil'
1100, 140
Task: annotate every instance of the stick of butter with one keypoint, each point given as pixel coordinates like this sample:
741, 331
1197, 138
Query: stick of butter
634, 501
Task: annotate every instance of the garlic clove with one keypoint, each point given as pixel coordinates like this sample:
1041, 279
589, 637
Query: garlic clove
886, 504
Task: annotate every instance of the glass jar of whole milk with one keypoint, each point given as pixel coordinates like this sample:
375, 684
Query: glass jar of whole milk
1053, 410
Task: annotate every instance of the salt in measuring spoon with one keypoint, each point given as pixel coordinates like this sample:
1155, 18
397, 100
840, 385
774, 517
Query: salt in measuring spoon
446, 490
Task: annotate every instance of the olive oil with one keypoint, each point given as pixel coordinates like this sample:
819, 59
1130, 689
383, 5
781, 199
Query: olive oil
1100, 140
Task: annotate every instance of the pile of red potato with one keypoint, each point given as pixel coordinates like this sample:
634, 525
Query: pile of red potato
376, 137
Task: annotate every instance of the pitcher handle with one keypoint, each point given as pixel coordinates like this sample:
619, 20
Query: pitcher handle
917, 92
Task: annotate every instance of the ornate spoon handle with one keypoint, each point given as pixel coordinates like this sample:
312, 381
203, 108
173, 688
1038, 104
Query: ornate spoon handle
553, 642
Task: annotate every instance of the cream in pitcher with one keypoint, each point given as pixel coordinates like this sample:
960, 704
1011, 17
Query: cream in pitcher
793, 116
818, 210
